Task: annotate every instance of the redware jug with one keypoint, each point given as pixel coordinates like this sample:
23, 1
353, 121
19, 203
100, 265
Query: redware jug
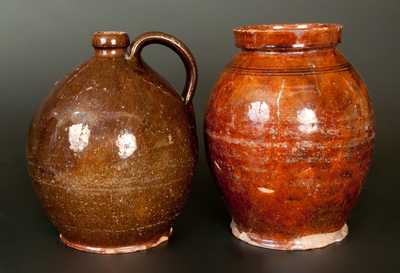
112, 150
290, 132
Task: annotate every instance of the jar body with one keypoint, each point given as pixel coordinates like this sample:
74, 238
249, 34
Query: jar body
111, 152
290, 136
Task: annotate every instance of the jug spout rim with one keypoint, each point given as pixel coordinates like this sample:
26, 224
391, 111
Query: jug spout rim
110, 39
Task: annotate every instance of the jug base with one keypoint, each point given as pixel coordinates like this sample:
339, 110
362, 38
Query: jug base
301, 243
116, 250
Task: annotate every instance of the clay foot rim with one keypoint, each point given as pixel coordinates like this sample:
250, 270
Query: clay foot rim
301, 243
116, 250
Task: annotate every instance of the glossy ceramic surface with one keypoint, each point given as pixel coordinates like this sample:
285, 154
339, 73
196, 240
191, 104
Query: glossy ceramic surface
112, 150
290, 132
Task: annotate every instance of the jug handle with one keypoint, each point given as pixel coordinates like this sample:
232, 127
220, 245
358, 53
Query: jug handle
178, 47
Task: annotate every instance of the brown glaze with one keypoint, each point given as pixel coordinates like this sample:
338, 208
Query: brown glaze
290, 133
112, 150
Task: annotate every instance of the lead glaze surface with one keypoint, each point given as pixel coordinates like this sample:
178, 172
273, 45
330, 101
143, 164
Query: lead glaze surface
112, 150
290, 132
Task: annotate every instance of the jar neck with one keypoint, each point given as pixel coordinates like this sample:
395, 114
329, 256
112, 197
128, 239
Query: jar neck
291, 50
315, 58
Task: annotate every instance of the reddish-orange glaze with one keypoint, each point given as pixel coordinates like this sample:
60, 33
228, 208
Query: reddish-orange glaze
290, 132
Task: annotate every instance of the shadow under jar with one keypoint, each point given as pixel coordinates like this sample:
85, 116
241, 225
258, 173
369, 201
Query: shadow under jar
112, 150
290, 133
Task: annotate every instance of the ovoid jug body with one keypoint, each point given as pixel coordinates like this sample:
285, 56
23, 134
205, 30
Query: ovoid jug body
290, 134
112, 150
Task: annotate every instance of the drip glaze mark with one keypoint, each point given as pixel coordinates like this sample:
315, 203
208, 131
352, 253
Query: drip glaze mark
278, 100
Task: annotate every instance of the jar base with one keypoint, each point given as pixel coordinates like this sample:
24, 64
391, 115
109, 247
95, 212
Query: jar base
301, 243
116, 250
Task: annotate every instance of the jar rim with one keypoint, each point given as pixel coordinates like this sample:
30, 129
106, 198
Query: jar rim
299, 35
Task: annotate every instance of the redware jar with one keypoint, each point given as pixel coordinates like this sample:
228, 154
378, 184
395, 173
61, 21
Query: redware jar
290, 134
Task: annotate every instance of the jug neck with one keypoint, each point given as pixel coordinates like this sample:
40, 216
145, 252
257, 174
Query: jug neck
110, 52
288, 37
110, 44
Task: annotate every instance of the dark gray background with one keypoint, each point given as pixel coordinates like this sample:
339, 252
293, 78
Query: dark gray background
42, 40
